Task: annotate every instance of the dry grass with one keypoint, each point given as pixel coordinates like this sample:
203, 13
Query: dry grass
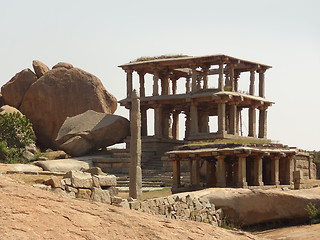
29, 178
166, 191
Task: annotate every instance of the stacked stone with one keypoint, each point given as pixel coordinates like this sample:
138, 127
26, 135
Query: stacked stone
186, 207
92, 184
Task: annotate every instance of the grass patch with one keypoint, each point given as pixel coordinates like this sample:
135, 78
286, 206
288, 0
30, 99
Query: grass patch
166, 191
145, 58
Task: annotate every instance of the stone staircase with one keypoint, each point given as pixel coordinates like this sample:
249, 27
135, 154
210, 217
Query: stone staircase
117, 162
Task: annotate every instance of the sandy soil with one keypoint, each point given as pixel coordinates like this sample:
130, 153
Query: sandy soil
29, 213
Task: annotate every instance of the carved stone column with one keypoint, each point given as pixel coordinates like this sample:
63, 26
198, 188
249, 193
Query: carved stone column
129, 82
188, 125
263, 122
231, 72
174, 86
221, 117
221, 171
144, 127
155, 84
252, 122
233, 118
141, 81
252, 79
166, 122
165, 90
275, 170
194, 76
241, 173
205, 70
261, 83
188, 87
158, 121
221, 83
257, 170
176, 174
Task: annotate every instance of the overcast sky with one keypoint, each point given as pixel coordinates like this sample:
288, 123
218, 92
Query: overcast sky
97, 36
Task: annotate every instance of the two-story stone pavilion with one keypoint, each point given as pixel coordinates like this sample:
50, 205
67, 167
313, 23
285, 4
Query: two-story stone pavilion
197, 102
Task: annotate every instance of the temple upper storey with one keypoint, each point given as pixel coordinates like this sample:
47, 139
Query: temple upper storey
197, 101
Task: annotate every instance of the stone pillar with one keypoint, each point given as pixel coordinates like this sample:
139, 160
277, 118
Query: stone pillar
257, 171
194, 118
221, 83
221, 117
144, 122
129, 82
176, 173
188, 87
221, 171
261, 83
194, 79
141, 81
165, 89
231, 72
233, 119
174, 86
211, 173
290, 168
252, 122
155, 84
188, 125
195, 172
135, 187
275, 170
205, 77
241, 173
236, 78
175, 125
263, 122
252, 78
158, 121
166, 122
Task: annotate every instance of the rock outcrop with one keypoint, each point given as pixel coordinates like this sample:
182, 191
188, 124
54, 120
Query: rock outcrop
62, 165
14, 91
91, 130
60, 93
39, 68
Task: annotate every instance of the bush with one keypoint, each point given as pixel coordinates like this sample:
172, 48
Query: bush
15, 134
314, 213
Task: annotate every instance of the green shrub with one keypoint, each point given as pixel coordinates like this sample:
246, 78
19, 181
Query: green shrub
15, 134
314, 213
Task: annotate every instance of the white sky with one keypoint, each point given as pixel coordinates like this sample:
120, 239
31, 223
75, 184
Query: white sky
97, 36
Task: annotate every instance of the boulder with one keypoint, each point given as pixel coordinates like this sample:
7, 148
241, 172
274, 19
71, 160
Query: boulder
14, 91
106, 181
62, 93
39, 68
249, 207
63, 65
8, 109
91, 130
1, 100
25, 168
62, 165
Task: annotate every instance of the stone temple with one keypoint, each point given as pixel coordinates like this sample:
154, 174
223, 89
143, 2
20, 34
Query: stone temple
204, 91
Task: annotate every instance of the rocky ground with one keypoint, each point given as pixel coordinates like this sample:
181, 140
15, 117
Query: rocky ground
29, 213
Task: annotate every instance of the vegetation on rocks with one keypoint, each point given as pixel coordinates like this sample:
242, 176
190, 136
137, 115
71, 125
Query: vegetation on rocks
314, 213
15, 134
142, 59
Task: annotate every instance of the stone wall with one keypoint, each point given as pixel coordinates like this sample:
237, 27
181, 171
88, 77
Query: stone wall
308, 170
180, 206
91, 185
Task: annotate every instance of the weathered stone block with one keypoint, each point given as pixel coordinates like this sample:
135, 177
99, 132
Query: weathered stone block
95, 171
84, 193
53, 182
106, 181
100, 195
116, 200
113, 191
71, 189
135, 205
80, 179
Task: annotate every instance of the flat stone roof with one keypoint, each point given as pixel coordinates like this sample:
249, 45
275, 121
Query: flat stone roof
186, 62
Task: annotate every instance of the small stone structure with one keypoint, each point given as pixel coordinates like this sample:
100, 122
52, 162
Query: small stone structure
92, 184
238, 165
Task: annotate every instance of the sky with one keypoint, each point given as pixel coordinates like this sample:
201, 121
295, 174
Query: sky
99, 35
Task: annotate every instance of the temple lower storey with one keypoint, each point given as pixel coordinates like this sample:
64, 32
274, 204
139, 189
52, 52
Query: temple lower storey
238, 165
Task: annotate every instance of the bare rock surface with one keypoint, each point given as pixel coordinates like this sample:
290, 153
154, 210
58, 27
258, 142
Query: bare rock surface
14, 91
63, 65
62, 93
30, 213
39, 68
8, 109
249, 207
62, 165
91, 130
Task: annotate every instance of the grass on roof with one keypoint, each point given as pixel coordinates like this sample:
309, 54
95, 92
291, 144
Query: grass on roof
234, 141
142, 59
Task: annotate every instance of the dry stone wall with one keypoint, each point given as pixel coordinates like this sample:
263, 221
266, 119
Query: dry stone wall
187, 207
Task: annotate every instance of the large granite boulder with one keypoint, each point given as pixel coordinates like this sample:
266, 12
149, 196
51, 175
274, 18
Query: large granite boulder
39, 68
14, 91
62, 93
91, 130
1, 100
